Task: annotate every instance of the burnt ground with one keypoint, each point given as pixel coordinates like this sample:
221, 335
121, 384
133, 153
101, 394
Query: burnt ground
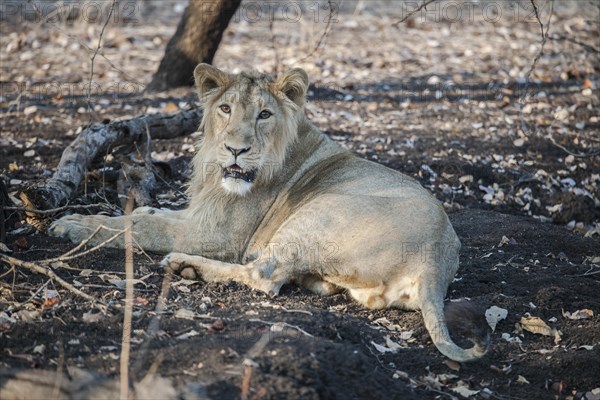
515, 164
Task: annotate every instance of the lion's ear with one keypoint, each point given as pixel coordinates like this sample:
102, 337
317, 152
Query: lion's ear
208, 78
294, 84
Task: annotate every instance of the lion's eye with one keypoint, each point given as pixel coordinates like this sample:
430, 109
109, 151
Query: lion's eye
264, 114
225, 108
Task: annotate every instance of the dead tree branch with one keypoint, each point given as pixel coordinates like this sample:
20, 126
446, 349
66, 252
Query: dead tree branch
15, 262
56, 210
96, 140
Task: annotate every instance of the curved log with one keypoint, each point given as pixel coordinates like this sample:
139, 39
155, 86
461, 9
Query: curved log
95, 140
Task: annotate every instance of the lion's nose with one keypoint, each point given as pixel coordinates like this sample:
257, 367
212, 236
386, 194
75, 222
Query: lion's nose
237, 152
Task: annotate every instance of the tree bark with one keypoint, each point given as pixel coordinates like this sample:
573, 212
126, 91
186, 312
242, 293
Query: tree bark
95, 140
196, 40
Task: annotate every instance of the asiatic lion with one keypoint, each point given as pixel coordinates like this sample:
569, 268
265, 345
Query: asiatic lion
274, 201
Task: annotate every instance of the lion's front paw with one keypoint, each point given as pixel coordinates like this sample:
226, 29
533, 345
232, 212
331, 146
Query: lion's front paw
75, 227
179, 263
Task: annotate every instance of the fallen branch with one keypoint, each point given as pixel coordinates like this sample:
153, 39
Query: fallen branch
96, 139
56, 210
70, 256
15, 262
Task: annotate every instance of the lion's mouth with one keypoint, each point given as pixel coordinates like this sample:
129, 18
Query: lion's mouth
237, 172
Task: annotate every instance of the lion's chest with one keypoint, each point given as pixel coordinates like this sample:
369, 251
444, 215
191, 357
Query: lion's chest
226, 234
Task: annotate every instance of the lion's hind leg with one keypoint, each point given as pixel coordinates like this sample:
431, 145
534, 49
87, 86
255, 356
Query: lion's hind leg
260, 275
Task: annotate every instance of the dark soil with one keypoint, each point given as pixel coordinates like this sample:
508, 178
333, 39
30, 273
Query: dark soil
527, 214
541, 272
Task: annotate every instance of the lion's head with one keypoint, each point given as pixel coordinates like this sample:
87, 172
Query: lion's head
250, 121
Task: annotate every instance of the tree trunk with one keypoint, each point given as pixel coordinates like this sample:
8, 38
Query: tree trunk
196, 40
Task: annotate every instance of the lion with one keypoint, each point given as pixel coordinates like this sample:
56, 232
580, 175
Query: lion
272, 201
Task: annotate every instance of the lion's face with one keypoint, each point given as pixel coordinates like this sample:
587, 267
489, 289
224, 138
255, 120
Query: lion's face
249, 122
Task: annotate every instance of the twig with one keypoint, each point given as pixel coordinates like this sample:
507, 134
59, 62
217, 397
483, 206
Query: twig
282, 324
588, 273
562, 38
50, 274
579, 155
325, 32
21, 305
413, 12
248, 364
544, 34
93, 59
290, 310
79, 246
128, 312
49, 16
83, 253
7, 272
55, 210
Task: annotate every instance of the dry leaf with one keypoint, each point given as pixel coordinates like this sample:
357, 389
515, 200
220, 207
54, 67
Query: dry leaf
4, 248
464, 390
184, 313
511, 339
503, 241
579, 314
51, 298
28, 315
383, 321
453, 365
170, 107
494, 314
466, 178
140, 302
545, 351
187, 335
90, 317
39, 349
521, 379
383, 349
401, 374
538, 326
391, 344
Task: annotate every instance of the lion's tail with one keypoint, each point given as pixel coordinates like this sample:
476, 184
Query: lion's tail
462, 318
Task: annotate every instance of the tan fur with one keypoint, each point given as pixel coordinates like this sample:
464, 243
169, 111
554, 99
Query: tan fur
314, 213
